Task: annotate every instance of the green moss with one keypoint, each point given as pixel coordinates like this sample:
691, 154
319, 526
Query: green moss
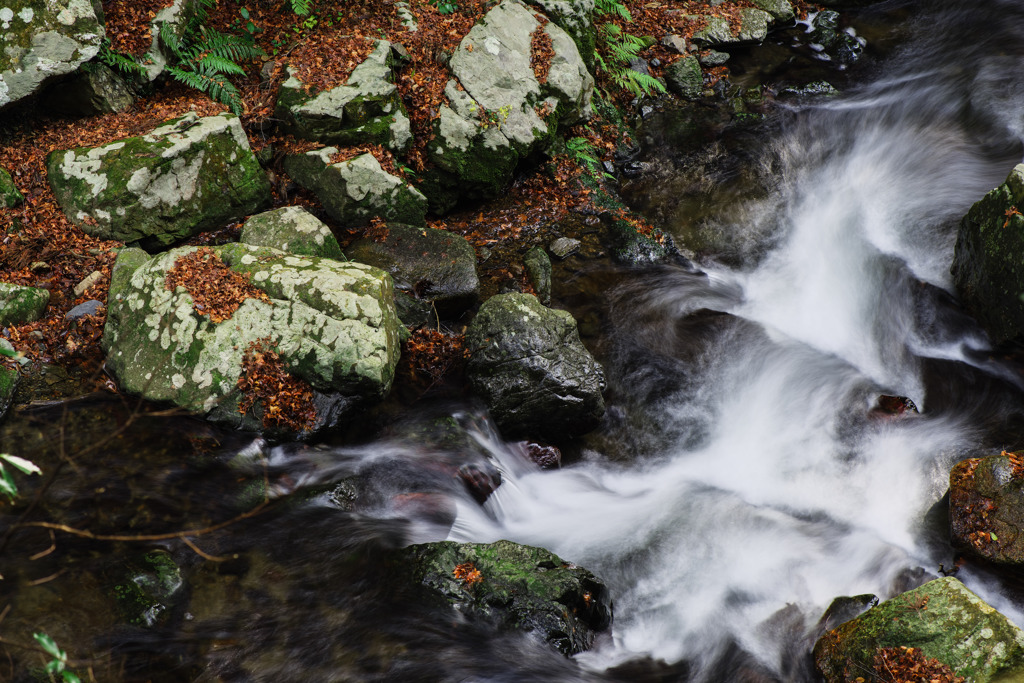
19, 305
9, 195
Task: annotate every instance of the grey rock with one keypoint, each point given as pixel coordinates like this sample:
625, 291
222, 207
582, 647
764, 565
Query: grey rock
43, 42
185, 176
575, 17
713, 58
675, 43
538, 269
780, 10
753, 28
291, 229
9, 194
685, 77
435, 266
91, 307
564, 247
528, 364
19, 305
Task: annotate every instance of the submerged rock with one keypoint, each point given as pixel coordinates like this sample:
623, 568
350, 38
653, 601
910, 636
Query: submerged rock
332, 324
986, 262
528, 364
147, 588
42, 42
942, 619
432, 265
188, 175
19, 305
517, 586
986, 507
355, 191
291, 229
366, 109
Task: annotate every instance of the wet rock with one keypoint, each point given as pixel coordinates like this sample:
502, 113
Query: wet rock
19, 305
185, 176
844, 608
9, 195
435, 266
986, 264
841, 47
95, 89
986, 507
814, 89
685, 78
543, 456
291, 229
9, 380
333, 325
366, 109
149, 587
943, 619
888, 407
711, 58
564, 247
528, 364
538, 269
520, 587
355, 191
480, 482
91, 307
43, 42
494, 120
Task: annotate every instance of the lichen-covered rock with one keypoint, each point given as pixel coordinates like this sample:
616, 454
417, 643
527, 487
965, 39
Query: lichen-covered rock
9, 195
43, 40
333, 325
291, 229
95, 89
781, 10
498, 111
520, 587
185, 176
754, 25
20, 305
173, 17
528, 363
355, 191
432, 265
987, 269
685, 78
943, 619
986, 507
366, 109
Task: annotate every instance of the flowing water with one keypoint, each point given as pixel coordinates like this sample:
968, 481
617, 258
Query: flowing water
742, 480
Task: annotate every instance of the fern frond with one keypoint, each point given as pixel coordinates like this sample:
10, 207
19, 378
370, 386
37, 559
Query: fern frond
301, 7
123, 63
213, 63
235, 48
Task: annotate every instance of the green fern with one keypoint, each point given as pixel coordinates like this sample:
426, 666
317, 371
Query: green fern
301, 7
126, 64
613, 7
617, 50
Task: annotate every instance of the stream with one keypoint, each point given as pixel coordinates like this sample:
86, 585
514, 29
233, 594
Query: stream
744, 476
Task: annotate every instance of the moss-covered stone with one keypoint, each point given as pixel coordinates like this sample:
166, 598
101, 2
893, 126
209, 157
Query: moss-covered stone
333, 325
987, 269
42, 41
943, 619
188, 175
9, 195
9, 379
20, 305
521, 587
147, 587
538, 269
291, 229
355, 191
685, 78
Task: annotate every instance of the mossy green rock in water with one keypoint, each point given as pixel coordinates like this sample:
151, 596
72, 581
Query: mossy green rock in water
333, 325
20, 305
944, 620
9, 379
186, 176
149, 586
986, 507
366, 109
518, 586
355, 191
528, 364
9, 195
291, 229
43, 40
988, 270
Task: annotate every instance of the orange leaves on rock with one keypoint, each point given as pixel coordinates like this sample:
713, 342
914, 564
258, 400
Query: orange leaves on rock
541, 50
468, 574
216, 290
429, 355
128, 24
287, 401
909, 665
1010, 213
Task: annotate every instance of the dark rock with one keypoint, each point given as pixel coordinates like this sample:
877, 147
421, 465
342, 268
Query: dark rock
838, 44
986, 507
516, 586
545, 457
685, 78
814, 89
480, 482
148, 588
713, 58
887, 407
432, 265
95, 89
845, 608
91, 307
528, 364
9, 380
538, 269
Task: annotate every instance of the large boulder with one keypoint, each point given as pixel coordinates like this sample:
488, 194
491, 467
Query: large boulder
333, 326
499, 111
433, 265
19, 305
355, 191
986, 262
366, 109
291, 229
518, 586
528, 363
986, 507
43, 41
189, 175
942, 620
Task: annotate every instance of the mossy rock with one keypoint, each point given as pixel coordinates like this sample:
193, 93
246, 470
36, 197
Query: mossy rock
147, 588
986, 507
20, 305
943, 619
518, 586
9, 380
291, 229
9, 195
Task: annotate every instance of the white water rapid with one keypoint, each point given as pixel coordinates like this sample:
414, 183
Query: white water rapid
773, 492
